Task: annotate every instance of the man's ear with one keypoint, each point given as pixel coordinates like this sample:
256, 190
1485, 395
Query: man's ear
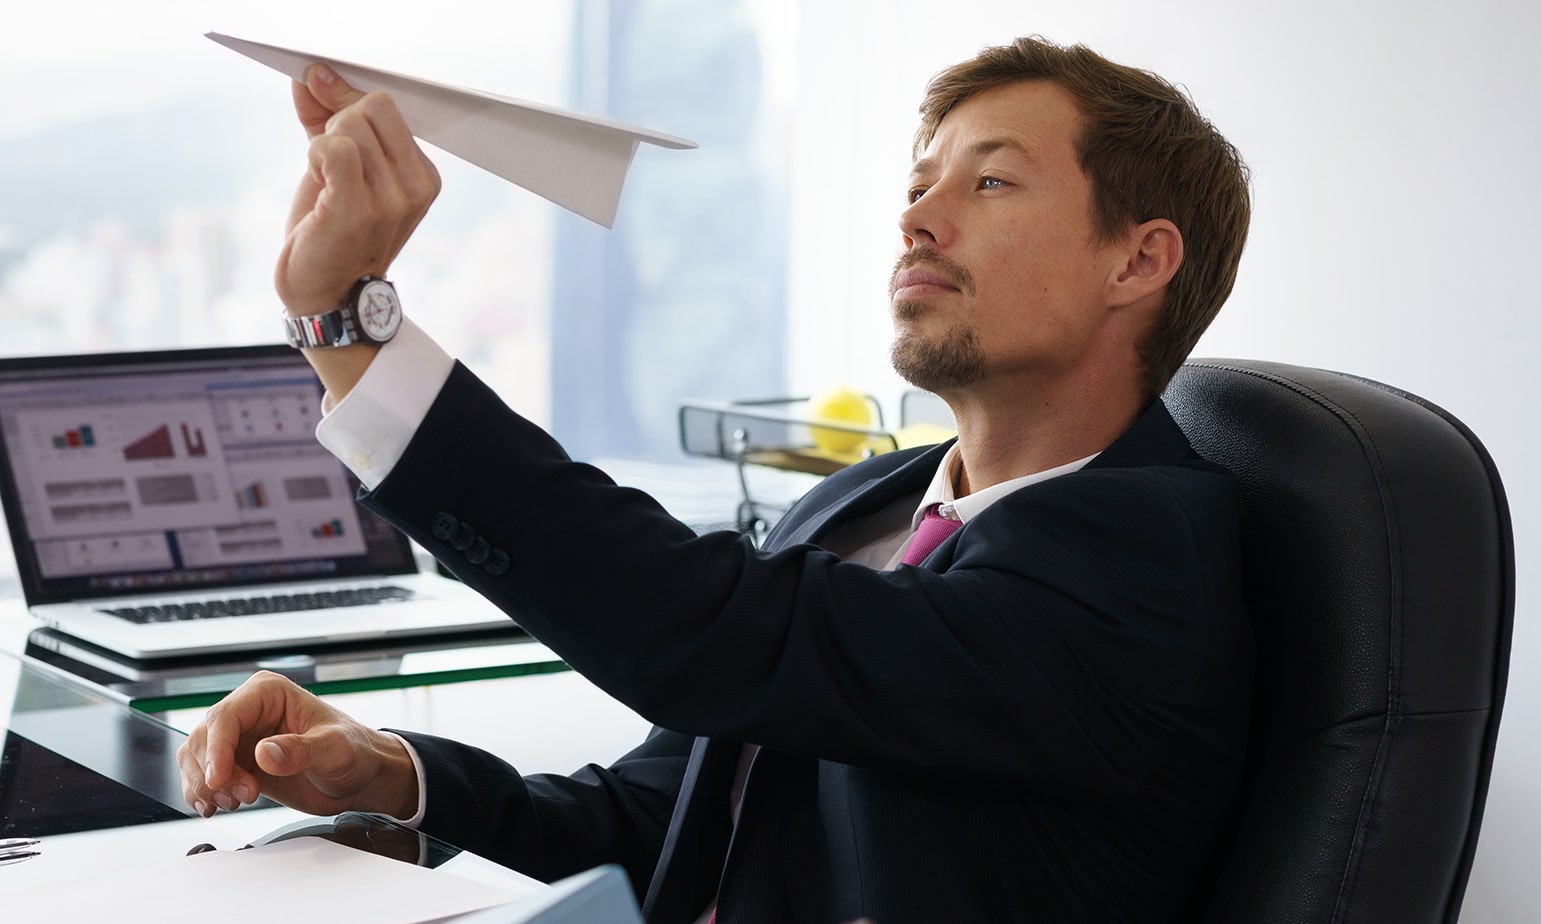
1153, 252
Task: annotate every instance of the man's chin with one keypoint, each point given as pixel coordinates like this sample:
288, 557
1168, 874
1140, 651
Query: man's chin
954, 361
907, 311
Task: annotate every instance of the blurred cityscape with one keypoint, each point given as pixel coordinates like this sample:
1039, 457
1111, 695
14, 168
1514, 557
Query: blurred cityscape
153, 222
156, 226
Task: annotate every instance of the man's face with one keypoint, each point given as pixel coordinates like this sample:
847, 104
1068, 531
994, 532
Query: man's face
1001, 274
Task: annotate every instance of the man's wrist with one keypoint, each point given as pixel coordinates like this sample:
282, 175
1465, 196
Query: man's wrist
340, 368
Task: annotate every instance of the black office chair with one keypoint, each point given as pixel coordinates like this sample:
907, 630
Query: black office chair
1380, 578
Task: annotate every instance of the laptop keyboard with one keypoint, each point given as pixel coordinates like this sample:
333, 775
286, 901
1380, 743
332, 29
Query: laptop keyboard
249, 606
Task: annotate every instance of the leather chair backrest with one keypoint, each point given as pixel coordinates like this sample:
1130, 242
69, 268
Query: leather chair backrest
1379, 574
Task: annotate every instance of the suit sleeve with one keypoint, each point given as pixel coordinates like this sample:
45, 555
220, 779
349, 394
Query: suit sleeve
1078, 626
550, 826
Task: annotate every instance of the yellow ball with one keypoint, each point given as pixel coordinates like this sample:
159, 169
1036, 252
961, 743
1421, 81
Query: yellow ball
840, 405
922, 434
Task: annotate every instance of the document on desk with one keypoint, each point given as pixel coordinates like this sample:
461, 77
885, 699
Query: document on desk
307, 880
577, 161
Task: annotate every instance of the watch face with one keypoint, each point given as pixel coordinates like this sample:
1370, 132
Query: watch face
379, 311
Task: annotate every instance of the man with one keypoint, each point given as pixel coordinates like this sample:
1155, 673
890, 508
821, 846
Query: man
1042, 719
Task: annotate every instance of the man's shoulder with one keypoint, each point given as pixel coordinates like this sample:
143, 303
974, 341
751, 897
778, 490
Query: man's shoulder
1154, 439
1150, 467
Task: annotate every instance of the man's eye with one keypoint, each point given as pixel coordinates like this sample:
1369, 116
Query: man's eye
914, 194
991, 182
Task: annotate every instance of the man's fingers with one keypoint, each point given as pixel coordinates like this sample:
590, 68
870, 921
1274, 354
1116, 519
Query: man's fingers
390, 129
355, 124
338, 162
401, 176
239, 789
221, 735
195, 792
256, 706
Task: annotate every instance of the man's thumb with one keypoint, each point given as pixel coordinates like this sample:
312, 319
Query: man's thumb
283, 755
329, 89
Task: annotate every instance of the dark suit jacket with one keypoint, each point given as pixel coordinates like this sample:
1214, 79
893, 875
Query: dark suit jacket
1045, 722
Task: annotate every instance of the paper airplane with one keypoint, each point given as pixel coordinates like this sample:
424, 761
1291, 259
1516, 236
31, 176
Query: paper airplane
577, 161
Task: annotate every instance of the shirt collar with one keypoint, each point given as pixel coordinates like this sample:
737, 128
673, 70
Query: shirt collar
942, 489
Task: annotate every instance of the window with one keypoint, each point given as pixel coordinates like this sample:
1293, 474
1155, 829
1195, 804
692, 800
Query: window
146, 173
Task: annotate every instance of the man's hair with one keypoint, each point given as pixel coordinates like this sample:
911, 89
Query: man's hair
1148, 154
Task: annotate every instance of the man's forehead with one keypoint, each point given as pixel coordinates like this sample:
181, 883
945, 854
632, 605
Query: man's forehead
1029, 118
1025, 108
1010, 145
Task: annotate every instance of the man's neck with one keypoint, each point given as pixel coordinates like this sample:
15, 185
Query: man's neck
1012, 435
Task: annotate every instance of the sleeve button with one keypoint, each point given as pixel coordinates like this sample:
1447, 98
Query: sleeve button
479, 551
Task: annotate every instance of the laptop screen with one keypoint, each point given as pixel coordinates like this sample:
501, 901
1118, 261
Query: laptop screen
134, 473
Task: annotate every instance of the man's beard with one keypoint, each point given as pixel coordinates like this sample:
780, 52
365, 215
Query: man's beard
954, 362
935, 366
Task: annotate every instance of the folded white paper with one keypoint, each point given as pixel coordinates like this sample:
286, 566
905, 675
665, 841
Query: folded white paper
577, 161
306, 880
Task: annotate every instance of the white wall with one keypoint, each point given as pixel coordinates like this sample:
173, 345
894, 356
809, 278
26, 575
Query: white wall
1394, 146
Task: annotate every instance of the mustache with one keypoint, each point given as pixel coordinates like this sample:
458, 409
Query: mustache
931, 259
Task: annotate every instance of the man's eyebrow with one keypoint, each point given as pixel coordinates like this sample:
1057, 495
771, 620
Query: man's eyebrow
980, 148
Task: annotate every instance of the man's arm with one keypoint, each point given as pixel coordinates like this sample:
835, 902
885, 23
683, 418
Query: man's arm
1083, 623
548, 825
271, 737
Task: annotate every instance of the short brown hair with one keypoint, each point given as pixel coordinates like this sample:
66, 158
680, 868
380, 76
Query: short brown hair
1148, 154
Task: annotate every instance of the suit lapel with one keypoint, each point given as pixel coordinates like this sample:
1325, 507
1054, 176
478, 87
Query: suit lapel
886, 483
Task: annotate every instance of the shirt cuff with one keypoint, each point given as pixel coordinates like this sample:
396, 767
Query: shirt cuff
422, 783
369, 429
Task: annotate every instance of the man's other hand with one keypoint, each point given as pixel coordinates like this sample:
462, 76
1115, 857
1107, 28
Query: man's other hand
272, 737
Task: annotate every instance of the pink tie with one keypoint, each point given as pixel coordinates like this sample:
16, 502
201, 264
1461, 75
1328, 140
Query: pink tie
932, 530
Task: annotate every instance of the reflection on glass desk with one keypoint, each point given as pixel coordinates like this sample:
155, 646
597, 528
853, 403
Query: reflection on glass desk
74, 761
189, 683
96, 782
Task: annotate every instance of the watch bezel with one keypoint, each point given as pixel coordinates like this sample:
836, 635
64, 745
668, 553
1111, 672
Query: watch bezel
361, 291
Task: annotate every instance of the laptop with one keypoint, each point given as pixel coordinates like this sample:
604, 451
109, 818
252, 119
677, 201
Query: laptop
176, 502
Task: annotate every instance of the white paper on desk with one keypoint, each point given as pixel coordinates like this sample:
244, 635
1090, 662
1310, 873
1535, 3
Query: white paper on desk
577, 161
306, 880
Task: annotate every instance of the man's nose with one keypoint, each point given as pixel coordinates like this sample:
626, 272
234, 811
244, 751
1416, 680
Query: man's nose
925, 221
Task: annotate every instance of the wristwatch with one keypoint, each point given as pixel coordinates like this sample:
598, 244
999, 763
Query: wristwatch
370, 314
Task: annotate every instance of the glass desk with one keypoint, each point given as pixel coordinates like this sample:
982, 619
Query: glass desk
96, 782
191, 683
500, 691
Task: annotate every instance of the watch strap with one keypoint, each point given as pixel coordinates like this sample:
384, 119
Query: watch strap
318, 331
